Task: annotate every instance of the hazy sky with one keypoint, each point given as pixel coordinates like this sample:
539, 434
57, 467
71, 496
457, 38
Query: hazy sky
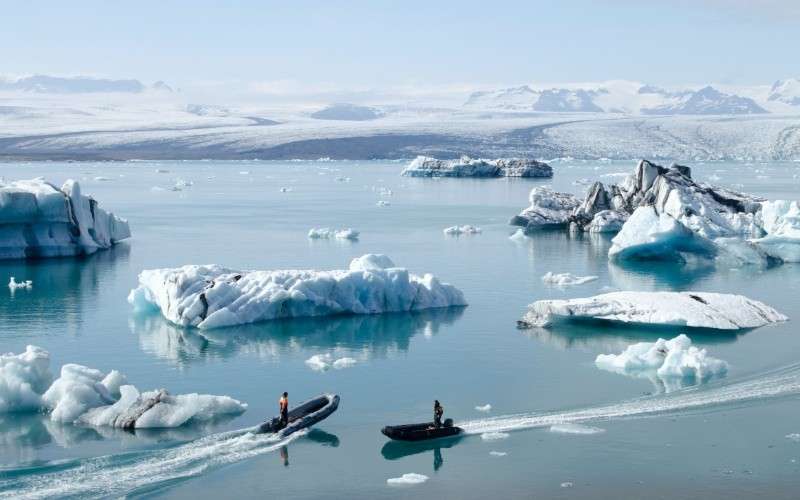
330, 44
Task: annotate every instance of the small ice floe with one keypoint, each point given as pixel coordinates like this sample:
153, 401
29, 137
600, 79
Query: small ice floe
383, 203
244, 172
679, 309
325, 233
498, 453
286, 189
343, 179
567, 484
409, 479
162, 171
671, 364
518, 235
459, 230
100, 178
13, 284
181, 184
494, 436
485, 408
575, 429
566, 279
324, 362
793, 437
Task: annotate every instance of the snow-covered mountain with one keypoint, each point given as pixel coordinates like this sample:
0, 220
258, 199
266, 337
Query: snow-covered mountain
47, 84
634, 98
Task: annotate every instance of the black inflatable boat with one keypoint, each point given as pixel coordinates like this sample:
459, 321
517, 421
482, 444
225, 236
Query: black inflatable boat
302, 416
421, 432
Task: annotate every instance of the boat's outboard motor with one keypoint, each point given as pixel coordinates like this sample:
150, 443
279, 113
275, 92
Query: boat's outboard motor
448, 422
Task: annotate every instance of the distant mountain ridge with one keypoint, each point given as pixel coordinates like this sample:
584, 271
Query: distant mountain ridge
632, 98
77, 85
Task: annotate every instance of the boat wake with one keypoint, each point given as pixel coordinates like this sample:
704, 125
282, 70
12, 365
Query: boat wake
781, 382
123, 474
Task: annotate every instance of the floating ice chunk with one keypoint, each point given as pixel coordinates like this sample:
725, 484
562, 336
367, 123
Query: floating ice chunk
575, 429
102, 179
566, 279
494, 436
548, 209
781, 222
649, 235
607, 221
485, 408
23, 379
343, 179
383, 203
665, 359
162, 171
793, 437
459, 230
212, 296
425, 166
327, 233
343, 363
518, 235
13, 284
285, 189
409, 479
567, 484
324, 362
498, 453
686, 309
85, 395
38, 219
244, 172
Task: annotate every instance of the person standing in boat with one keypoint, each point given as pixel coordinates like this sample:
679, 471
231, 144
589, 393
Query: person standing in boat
283, 406
438, 411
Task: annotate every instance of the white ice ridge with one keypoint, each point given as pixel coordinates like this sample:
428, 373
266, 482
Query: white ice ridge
212, 296
672, 364
88, 396
459, 230
425, 166
37, 219
686, 309
325, 233
566, 279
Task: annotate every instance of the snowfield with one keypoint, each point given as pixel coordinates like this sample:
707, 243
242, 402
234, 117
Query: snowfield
685, 309
37, 219
212, 296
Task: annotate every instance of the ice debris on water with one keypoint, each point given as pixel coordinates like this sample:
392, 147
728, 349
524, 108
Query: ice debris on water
408, 479
325, 233
212, 296
459, 230
425, 166
485, 408
13, 284
566, 279
88, 396
324, 362
498, 453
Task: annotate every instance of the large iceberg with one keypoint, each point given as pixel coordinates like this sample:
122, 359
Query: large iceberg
425, 166
37, 219
87, 396
684, 309
669, 364
211, 296
662, 213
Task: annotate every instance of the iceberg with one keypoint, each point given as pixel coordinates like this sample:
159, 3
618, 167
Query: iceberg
211, 296
327, 233
37, 219
671, 364
566, 279
459, 230
84, 395
408, 479
662, 213
681, 309
425, 166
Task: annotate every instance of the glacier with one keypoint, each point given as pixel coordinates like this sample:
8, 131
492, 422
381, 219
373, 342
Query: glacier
38, 219
670, 364
679, 309
83, 395
662, 213
425, 166
211, 296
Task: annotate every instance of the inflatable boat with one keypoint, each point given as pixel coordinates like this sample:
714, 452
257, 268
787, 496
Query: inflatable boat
421, 432
302, 416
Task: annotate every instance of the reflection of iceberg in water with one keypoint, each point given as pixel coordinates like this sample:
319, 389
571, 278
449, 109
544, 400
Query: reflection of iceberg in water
23, 435
658, 275
61, 287
361, 336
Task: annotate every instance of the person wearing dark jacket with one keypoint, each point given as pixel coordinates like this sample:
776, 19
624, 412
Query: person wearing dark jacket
283, 407
438, 411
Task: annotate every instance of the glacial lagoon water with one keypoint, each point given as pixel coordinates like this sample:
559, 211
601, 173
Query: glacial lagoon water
723, 439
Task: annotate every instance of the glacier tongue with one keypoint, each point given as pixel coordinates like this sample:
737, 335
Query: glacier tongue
685, 309
38, 219
212, 296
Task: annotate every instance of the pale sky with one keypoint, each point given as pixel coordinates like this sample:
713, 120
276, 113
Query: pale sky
374, 44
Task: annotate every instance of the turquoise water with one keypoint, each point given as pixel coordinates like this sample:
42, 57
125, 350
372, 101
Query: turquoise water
725, 439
